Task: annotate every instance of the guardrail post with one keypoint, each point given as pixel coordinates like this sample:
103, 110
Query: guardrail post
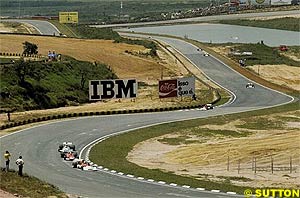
291, 166
272, 165
228, 163
255, 165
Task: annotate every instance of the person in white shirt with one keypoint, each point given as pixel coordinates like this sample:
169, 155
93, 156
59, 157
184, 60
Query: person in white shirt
20, 164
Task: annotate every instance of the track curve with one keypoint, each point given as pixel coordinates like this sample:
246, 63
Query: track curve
38, 145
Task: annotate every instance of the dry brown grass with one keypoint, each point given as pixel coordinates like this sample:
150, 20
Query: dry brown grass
207, 158
283, 75
113, 54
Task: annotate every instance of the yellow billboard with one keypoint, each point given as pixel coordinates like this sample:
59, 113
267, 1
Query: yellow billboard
68, 17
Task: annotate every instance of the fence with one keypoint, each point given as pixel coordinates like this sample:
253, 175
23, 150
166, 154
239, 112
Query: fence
266, 164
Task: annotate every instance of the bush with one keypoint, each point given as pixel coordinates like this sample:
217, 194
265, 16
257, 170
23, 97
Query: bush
37, 85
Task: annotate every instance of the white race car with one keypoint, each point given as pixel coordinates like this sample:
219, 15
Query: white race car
67, 151
207, 107
250, 85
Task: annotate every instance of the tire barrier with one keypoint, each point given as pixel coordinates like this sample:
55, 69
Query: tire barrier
21, 55
97, 113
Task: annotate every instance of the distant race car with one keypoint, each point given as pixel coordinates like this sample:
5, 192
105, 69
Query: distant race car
250, 85
205, 54
207, 107
67, 151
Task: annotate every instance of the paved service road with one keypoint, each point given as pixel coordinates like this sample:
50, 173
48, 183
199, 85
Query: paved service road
38, 145
43, 27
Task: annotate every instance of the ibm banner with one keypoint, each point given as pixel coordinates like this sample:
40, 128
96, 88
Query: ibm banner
176, 87
109, 89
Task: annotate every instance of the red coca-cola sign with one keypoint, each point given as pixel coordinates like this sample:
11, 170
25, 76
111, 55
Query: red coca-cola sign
167, 88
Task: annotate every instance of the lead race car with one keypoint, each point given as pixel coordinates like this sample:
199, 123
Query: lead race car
67, 151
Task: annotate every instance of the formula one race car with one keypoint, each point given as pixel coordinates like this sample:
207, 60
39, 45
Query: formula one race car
67, 151
207, 107
250, 85
205, 54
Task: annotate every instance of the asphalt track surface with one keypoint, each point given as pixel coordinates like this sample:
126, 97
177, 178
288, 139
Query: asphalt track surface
38, 145
43, 27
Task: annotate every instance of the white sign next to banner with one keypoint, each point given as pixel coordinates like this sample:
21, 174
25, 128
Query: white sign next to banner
186, 86
109, 89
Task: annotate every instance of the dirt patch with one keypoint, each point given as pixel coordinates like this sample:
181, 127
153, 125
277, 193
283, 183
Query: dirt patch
6, 29
208, 158
17, 28
4, 194
279, 74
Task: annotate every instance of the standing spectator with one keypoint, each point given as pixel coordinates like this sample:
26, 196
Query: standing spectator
20, 164
7, 160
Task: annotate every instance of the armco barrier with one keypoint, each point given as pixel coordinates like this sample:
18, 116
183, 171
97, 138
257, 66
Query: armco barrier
80, 114
21, 55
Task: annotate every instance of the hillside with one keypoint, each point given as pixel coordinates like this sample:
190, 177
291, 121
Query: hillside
125, 65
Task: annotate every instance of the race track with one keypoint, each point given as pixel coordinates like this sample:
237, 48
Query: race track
38, 145
43, 27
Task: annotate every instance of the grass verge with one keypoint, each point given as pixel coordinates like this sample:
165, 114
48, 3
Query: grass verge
112, 152
27, 186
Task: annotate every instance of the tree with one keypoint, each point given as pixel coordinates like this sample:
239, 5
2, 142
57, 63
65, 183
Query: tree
30, 48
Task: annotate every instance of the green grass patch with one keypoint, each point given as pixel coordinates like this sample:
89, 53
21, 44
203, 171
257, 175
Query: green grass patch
287, 23
65, 29
7, 60
205, 132
112, 152
199, 132
259, 123
177, 140
242, 179
27, 186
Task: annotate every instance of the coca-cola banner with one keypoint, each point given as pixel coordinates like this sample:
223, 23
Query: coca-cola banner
167, 88
177, 87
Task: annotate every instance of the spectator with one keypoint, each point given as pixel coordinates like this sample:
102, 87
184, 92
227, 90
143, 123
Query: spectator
194, 97
20, 164
49, 55
7, 160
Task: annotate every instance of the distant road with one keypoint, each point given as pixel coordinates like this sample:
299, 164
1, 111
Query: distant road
43, 27
207, 18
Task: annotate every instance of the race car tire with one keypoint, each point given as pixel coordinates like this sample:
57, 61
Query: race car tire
74, 164
72, 147
60, 147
